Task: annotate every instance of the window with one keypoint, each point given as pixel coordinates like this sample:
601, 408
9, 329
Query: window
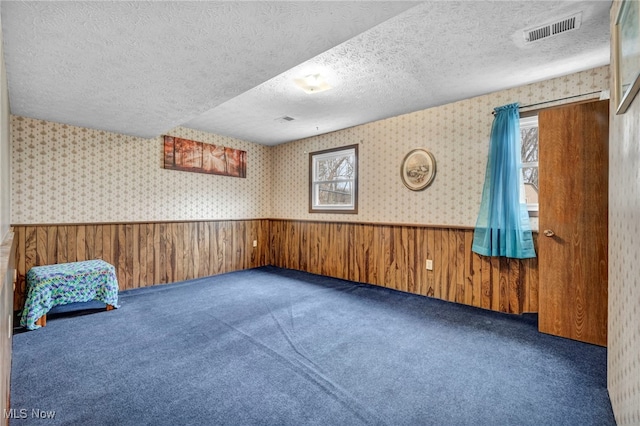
333, 180
529, 145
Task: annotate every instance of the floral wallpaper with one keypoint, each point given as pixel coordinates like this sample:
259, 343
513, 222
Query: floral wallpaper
457, 135
624, 261
5, 154
67, 174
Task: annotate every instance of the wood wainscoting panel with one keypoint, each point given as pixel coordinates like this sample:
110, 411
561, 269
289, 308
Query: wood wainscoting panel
391, 256
145, 254
394, 256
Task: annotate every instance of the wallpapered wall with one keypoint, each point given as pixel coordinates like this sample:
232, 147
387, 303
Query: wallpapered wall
4, 148
458, 136
67, 174
624, 261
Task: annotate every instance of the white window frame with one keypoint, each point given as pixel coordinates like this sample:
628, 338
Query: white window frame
527, 123
314, 159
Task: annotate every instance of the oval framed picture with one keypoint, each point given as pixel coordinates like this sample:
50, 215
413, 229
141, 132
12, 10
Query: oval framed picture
418, 169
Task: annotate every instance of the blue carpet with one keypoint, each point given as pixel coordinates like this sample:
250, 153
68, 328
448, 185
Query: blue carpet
278, 347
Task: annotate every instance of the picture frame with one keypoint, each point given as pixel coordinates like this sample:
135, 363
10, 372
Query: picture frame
199, 157
418, 169
626, 45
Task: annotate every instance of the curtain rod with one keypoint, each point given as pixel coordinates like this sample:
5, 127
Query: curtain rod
556, 100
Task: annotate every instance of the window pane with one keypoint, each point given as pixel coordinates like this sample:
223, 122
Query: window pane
337, 167
530, 184
337, 193
530, 175
333, 178
529, 144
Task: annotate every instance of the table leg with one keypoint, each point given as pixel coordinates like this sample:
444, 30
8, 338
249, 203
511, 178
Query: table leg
42, 321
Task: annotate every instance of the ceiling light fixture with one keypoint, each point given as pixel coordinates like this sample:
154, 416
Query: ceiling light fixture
312, 83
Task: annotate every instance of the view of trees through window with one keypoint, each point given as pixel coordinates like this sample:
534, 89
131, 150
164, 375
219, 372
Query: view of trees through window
334, 177
333, 180
529, 145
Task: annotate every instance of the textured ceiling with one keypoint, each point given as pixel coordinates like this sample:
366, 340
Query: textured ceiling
142, 68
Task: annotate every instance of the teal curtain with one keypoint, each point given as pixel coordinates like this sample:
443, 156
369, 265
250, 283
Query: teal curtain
503, 227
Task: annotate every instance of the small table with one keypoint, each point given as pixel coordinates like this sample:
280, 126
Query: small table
65, 283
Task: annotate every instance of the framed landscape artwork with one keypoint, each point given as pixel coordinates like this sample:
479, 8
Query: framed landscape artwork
191, 156
418, 169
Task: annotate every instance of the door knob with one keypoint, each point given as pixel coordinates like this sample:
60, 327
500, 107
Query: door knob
548, 233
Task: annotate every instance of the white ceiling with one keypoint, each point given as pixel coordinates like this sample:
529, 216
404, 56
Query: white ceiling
143, 68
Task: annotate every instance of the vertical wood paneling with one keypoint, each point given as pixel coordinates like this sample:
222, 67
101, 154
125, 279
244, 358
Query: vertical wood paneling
81, 245
52, 243
203, 248
215, 265
515, 293
495, 283
72, 243
316, 252
451, 259
363, 244
421, 253
90, 243
485, 268
382, 259
133, 253
20, 259
503, 291
194, 249
438, 260
238, 245
358, 252
186, 239
431, 254
461, 296
177, 243
392, 256
533, 285
157, 265
390, 242
125, 258
144, 254
263, 238
107, 251
409, 261
41, 237
476, 277
468, 268
61, 242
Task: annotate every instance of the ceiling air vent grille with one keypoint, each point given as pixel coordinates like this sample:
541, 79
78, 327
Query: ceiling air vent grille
285, 119
549, 30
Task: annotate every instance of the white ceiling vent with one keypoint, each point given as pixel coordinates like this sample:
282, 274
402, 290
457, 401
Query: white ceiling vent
284, 119
558, 27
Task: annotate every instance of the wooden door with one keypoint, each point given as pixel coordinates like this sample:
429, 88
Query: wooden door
573, 142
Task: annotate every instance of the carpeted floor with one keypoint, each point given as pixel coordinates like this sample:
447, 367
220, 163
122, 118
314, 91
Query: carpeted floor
278, 347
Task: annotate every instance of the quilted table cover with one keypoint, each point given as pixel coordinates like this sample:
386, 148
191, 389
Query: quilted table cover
65, 283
